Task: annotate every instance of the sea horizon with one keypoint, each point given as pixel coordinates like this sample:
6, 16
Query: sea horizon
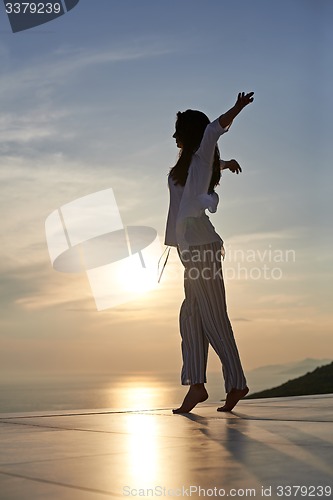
39, 392
144, 390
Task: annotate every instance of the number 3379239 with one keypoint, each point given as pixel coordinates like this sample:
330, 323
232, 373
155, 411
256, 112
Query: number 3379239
32, 8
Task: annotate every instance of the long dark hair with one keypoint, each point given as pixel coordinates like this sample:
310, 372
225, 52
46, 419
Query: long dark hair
190, 128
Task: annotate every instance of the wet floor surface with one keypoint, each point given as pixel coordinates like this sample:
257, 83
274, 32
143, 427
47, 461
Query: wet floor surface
276, 448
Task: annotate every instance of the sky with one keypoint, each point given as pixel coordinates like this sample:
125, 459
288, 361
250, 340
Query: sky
88, 102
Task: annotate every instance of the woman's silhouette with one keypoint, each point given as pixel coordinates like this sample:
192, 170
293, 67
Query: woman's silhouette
203, 316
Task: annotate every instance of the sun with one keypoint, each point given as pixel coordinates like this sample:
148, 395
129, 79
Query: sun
136, 277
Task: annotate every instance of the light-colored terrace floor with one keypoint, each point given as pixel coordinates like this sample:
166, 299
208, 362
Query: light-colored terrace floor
265, 448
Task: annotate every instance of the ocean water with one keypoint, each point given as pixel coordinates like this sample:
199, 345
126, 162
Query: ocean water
132, 392
129, 391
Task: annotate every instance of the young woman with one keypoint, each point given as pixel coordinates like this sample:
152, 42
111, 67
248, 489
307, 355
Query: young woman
203, 316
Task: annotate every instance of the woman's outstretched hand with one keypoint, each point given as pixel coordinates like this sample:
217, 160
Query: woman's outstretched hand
233, 166
244, 99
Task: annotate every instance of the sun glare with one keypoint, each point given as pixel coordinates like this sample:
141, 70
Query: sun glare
136, 278
137, 394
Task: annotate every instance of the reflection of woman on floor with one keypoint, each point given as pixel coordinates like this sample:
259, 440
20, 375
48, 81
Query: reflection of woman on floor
203, 315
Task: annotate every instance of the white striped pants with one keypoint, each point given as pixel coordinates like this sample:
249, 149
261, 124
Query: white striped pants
204, 320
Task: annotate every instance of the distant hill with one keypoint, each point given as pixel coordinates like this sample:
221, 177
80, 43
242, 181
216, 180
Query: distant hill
259, 379
319, 381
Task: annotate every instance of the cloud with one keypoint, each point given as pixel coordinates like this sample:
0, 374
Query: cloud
37, 286
283, 299
60, 66
290, 233
16, 283
28, 127
47, 106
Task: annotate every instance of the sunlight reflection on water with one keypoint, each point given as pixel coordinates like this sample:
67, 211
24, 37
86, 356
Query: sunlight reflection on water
142, 442
142, 393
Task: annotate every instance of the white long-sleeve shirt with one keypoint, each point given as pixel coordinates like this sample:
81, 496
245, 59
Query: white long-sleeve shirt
187, 222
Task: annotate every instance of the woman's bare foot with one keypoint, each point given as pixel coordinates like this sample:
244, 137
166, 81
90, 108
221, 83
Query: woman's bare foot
196, 394
232, 398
